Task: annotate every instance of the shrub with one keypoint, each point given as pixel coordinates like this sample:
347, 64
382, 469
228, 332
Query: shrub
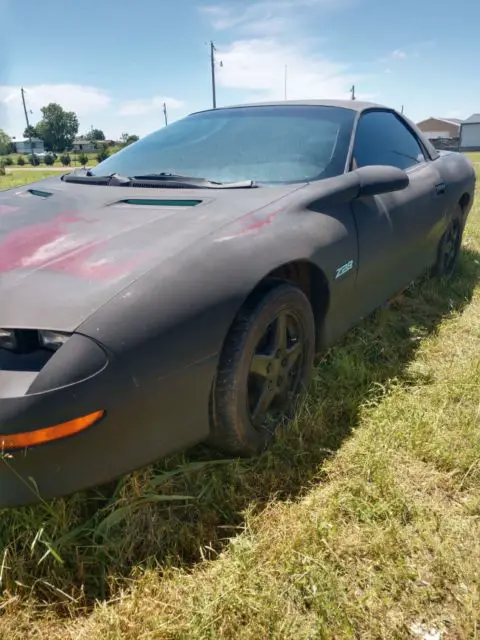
83, 159
102, 154
66, 160
49, 159
8, 161
2, 168
20, 161
34, 160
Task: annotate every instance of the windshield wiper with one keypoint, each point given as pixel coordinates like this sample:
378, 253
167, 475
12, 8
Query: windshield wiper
114, 179
166, 180
174, 180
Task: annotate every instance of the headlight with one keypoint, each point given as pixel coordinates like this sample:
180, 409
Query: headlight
52, 339
8, 339
28, 340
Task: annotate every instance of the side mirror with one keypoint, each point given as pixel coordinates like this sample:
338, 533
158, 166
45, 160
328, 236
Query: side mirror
375, 180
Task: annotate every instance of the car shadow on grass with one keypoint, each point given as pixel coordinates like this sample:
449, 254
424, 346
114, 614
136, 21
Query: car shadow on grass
186, 507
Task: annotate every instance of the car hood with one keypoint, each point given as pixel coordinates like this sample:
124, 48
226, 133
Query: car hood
66, 249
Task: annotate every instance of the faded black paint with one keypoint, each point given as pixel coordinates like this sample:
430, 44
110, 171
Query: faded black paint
152, 291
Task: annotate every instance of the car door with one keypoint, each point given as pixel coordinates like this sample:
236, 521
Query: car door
398, 233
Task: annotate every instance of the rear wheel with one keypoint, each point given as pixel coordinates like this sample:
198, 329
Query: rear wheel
266, 362
449, 247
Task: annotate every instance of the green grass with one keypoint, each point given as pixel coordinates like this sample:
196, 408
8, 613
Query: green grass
19, 178
363, 520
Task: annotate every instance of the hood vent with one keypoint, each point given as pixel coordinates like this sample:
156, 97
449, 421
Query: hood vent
39, 193
159, 202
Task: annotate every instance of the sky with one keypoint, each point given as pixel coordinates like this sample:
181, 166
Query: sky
115, 62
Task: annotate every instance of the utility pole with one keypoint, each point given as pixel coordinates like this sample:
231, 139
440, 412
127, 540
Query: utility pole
212, 64
285, 88
28, 124
402, 108
165, 113
352, 91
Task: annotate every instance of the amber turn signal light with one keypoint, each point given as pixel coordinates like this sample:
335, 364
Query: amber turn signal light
49, 434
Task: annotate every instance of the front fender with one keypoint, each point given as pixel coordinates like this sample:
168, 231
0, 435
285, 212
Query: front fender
180, 312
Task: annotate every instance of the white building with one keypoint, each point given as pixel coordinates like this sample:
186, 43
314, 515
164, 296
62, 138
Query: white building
444, 128
23, 146
470, 134
82, 145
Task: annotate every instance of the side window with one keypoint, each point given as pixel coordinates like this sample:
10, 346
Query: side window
381, 138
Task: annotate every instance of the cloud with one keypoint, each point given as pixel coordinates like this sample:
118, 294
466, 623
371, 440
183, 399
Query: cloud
257, 66
397, 54
148, 105
266, 38
84, 100
266, 16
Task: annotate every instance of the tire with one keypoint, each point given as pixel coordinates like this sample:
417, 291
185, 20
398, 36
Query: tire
267, 356
449, 248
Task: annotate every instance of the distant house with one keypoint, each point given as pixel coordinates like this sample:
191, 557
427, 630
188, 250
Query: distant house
82, 145
470, 133
440, 128
23, 146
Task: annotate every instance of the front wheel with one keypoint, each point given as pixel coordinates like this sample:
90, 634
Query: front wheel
265, 363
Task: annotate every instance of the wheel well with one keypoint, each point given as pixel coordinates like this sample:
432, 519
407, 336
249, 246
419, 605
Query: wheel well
311, 280
464, 201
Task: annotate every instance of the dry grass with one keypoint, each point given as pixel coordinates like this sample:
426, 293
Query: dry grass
363, 520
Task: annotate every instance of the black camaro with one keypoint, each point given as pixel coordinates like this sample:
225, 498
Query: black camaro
179, 291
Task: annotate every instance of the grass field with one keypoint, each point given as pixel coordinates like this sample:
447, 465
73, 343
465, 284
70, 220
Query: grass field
19, 178
363, 521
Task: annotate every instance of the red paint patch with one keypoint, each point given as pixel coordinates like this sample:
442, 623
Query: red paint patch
78, 264
254, 225
21, 245
52, 246
6, 208
258, 224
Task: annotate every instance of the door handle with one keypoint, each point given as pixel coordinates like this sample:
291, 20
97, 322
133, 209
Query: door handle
440, 188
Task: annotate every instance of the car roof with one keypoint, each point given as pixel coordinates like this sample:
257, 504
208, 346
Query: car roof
352, 105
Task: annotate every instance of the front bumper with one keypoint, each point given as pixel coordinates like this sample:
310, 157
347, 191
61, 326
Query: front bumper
143, 422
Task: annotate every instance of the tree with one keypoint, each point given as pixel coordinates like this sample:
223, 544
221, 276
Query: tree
30, 132
57, 128
83, 159
102, 154
127, 139
5, 143
94, 135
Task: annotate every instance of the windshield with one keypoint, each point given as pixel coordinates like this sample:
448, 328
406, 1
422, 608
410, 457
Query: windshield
281, 144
